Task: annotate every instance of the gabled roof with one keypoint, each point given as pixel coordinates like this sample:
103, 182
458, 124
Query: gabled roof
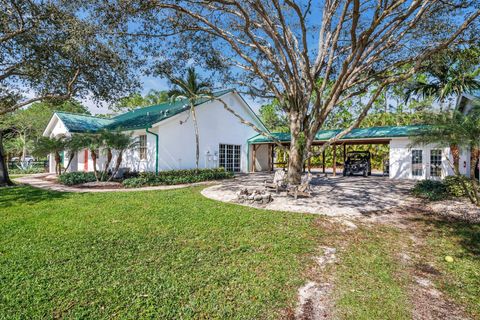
358, 133
81, 122
145, 117
140, 118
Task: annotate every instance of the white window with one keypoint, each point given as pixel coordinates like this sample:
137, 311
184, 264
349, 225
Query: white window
436, 163
417, 163
229, 157
142, 140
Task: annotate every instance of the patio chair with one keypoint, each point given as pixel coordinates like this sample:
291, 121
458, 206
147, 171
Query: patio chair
304, 189
278, 183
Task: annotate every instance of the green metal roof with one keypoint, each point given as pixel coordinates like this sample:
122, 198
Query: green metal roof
358, 133
140, 118
82, 123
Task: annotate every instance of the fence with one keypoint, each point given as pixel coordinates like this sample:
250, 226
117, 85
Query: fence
28, 166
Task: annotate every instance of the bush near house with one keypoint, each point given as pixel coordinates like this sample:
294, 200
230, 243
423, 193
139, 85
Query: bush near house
31, 170
176, 177
73, 178
454, 185
451, 186
431, 190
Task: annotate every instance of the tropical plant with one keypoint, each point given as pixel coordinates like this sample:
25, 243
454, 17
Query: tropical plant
456, 130
193, 89
120, 142
136, 100
74, 144
55, 145
93, 142
447, 75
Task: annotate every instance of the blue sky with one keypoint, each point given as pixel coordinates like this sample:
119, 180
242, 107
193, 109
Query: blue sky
157, 83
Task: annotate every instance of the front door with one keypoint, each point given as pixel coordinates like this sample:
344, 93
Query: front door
434, 166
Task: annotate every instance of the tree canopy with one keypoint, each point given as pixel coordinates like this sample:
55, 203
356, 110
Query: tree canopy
309, 55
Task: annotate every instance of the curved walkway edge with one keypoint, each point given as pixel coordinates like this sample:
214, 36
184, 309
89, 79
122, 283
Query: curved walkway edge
37, 181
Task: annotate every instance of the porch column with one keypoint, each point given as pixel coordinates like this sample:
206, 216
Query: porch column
272, 157
323, 161
254, 156
344, 153
334, 160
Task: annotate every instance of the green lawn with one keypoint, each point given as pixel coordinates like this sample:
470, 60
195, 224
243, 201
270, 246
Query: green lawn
177, 255
370, 282
461, 278
159, 254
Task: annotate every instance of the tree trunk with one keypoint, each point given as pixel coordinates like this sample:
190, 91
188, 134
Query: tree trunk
58, 165
71, 155
456, 157
197, 138
94, 161
4, 177
117, 165
296, 157
107, 163
24, 148
474, 155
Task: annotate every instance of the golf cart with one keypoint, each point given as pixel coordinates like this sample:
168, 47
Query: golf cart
357, 162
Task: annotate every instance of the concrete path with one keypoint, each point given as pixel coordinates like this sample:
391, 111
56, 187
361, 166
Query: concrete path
333, 196
46, 181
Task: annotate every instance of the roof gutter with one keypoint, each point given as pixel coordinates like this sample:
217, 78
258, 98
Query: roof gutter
156, 148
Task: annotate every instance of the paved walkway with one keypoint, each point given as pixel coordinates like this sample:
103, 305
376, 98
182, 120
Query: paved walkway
333, 196
42, 181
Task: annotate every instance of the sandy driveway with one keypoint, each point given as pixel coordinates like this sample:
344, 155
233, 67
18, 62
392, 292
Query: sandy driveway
333, 196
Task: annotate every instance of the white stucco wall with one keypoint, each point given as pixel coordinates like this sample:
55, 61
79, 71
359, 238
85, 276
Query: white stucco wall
401, 160
216, 126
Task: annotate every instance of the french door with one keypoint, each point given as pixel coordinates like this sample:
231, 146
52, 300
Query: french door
229, 157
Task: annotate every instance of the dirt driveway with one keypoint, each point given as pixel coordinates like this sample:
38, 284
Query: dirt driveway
333, 196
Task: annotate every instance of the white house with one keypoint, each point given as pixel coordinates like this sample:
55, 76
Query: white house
167, 140
166, 135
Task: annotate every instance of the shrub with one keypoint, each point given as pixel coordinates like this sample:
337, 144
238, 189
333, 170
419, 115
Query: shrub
30, 170
176, 177
431, 190
454, 185
73, 178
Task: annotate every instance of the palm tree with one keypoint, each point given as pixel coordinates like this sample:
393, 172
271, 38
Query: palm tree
120, 142
55, 145
93, 142
72, 145
108, 139
448, 75
193, 89
457, 130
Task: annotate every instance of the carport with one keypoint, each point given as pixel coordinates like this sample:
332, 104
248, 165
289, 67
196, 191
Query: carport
262, 149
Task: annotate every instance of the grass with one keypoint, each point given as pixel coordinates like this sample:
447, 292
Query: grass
177, 255
370, 284
164, 255
461, 278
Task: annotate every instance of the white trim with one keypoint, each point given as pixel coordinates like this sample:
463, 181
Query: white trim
50, 125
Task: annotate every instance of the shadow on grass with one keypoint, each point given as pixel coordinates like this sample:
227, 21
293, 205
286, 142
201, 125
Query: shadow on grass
467, 233
10, 196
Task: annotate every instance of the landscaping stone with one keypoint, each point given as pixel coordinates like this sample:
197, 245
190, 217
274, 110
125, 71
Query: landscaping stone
253, 196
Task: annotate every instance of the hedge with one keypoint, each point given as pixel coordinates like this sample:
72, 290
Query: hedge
73, 178
176, 177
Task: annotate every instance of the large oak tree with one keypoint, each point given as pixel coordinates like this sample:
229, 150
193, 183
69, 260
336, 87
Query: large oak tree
311, 55
48, 52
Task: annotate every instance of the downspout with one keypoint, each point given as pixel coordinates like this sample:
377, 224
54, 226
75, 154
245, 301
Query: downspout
156, 148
